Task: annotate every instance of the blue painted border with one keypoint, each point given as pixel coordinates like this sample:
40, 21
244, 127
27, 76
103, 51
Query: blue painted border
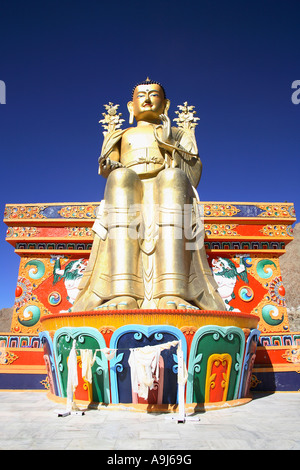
254, 333
147, 331
45, 337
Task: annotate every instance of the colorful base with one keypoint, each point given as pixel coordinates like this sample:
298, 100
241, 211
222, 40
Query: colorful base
242, 239
219, 350
243, 242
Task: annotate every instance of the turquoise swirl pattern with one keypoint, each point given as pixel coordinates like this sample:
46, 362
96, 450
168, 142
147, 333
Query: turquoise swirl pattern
38, 270
262, 270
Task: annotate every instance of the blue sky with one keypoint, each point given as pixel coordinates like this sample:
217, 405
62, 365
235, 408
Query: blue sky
61, 61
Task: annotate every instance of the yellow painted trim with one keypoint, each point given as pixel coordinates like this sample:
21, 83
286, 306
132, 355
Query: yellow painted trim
238, 250
70, 239
11, 333
34, 390
179, 318
278, 347
240, 203
283, 332
43, 252
22, 348
234, 238
290, 367
209, 382
213, 250
65, 239
11, 369
249, 220
246, 203
207, 219
70, 222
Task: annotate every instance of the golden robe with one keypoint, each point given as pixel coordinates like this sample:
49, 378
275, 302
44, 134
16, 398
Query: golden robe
143, 247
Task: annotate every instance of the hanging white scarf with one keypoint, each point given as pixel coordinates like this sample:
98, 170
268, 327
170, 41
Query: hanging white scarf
144, 367
87, 361
143, 362
72, 376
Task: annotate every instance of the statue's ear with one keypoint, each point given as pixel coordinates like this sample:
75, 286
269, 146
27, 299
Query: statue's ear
130, 110
167, 106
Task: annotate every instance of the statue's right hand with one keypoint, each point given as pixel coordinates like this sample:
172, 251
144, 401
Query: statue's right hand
107, 166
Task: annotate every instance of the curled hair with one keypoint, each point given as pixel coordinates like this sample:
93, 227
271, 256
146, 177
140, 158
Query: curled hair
149, 82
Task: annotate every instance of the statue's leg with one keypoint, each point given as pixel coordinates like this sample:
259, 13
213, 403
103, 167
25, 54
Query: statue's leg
123, 196
174, 198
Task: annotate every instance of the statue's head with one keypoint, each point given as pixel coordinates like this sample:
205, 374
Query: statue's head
148, 102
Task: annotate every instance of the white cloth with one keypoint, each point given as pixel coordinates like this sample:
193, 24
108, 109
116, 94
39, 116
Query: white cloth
108, 353
144, 367
87, 360
143, 362
72, 375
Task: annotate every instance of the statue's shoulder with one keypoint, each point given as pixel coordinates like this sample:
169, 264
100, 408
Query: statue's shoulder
114, 136
111, 139
129, 130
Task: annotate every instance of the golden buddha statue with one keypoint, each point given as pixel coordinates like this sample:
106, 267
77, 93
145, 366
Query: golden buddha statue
148, 249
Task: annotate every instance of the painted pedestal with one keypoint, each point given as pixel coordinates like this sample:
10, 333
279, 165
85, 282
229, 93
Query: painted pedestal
218, 348
245, 239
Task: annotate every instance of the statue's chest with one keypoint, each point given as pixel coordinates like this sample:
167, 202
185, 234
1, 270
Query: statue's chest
140, 152
138, 139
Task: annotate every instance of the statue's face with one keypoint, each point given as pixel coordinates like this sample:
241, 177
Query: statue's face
148, 102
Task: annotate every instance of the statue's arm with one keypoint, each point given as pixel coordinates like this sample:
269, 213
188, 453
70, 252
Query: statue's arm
172, 139
186, 155
181, 146
109, 159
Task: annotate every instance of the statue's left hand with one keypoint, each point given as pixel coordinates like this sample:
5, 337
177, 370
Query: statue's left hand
166, 129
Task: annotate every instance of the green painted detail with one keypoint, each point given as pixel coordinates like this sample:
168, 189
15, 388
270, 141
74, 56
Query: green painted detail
86, 338
271, 315
262, 270
38, 270
210, 340
30, 316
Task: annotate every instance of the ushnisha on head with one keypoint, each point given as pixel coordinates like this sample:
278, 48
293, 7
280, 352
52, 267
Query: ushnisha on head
148, 102
149, 82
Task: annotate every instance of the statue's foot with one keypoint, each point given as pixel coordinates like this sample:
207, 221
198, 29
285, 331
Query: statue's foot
87, 302
171, 302
119, 303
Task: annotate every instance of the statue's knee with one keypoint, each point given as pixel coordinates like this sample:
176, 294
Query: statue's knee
125, 183
171, 176
122, 177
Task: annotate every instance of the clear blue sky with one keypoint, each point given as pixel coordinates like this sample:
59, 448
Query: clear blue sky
62, 60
